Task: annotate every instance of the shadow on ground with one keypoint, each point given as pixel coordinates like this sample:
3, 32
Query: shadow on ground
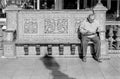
52, 65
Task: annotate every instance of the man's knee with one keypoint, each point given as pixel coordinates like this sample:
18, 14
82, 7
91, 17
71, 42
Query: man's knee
84, 42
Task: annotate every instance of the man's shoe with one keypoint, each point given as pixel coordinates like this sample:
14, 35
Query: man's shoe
98, 60
84, 59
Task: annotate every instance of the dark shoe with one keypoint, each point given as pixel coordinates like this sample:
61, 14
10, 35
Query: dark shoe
98, 60
84, 59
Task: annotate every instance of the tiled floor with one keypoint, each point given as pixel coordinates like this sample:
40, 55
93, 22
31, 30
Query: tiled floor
59, 68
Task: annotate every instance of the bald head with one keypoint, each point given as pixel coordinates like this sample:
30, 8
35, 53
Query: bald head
91, 17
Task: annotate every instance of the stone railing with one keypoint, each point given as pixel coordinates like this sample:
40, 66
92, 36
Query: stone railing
113, 36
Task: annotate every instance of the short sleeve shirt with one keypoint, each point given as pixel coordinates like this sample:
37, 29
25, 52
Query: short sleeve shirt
91, 27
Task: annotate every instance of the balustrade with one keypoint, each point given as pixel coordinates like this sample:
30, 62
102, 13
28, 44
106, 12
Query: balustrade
113, 36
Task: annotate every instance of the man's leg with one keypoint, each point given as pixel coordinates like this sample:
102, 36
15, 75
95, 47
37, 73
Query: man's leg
97, 44
84, 44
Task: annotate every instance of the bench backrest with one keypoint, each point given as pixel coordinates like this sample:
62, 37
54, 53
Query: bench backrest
49, 26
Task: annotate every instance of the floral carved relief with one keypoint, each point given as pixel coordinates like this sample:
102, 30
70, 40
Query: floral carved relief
78, 23
49, 25
30, 26
56, 25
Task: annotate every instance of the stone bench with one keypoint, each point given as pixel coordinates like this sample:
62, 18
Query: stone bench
49, 28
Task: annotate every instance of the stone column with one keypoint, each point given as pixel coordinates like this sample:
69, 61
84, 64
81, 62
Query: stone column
100, 12
11, 25
38, 4
85, 4
78, 4
118, 8
58, 4
34, 1
109, 4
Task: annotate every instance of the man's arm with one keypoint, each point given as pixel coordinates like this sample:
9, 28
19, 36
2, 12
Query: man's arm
82, 28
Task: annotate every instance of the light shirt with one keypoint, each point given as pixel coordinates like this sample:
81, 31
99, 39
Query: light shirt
90, 27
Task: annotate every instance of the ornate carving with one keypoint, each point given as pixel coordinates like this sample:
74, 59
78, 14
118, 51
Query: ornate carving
49, 25
9, 49
78, 23
30, 26
62, 26
56, 26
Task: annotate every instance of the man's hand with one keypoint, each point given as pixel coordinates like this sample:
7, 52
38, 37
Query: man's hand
88, 33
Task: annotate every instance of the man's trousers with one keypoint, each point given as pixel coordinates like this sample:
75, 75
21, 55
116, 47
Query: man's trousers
96, 42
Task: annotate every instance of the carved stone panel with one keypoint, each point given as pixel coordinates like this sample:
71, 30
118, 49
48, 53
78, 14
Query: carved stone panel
49, 26
9, 49
78, 22
56, 26
30, 26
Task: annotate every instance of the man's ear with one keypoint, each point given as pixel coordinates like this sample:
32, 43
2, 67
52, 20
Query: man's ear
87, 18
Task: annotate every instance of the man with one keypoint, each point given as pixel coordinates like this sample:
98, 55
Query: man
88, 32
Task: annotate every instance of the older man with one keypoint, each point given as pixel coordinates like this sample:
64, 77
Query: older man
88, 32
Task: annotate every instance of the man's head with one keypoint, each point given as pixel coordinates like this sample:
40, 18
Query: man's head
91, 18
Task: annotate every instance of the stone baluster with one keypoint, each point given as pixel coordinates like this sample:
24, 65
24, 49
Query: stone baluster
72, 49
49, 49
61, 49
26, 50
110, 40
118, 38
37, 49
1, 41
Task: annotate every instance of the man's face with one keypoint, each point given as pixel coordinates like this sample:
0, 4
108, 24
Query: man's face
91, 18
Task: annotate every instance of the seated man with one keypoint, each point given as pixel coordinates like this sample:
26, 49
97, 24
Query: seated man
88, 32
